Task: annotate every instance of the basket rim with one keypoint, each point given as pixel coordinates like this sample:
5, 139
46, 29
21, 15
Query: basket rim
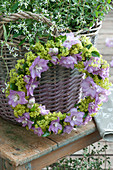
27, 15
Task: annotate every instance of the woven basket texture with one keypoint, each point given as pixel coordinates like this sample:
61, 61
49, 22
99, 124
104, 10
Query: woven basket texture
92, 33
59, 88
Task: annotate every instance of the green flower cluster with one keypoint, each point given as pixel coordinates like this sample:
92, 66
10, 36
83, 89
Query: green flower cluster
84, 103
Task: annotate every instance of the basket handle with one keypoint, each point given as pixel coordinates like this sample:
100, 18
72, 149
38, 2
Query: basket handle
28, 15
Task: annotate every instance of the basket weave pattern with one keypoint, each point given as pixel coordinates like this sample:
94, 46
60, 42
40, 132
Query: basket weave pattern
92, 33
59, 87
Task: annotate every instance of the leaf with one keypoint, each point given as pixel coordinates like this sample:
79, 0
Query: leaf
24, 66
16, 35
21, 42
46, 134
74, 1
20, 71
13, 86
37, 39
87, 58
108, 1
88, 46
96, 14
61, 37
32, 109
75, 105
5, 33
14, 7
95, 54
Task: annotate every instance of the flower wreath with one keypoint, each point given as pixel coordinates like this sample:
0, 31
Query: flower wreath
67, 51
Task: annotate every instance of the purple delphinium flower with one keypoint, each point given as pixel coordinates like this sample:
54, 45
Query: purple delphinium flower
78, 57
104, 73
38, 131
54, 60
38, 66
109, 42
93, 107
91, 69
87, 63
71, 40
25, 120
43, 110
96, 70
89, 87
31, 102
31, 86
76, 118
68, 62
28, 79
68, 129
16, 97
87, 119
55, 126
53, 51
102, 95
111, 63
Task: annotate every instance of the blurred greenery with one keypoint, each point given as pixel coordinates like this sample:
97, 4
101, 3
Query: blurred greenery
93, 160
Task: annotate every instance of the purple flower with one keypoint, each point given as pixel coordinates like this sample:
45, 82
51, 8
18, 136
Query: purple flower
96, 70
38, 131
16, 97
71, 40
104, 73
28, 79
31, 102
78, 57
76, 118
25, 120
31, 86
55, 126
102, 95
68, 129
109, 42
87, 119
111, 63
43, 110
89, 87
38, 66
53, 51
55, 60
93, 107
91, 69
68, 62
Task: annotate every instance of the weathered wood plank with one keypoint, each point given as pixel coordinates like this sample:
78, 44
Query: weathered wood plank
109, 24
52, 157
103, 37
17, 145
75, 135
106, 31
103, 48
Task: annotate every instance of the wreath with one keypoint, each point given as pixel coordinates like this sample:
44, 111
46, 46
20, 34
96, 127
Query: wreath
67, 51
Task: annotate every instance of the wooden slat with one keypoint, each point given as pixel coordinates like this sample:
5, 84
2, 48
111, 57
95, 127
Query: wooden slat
19, 147
106, 32
76, 134
61, 152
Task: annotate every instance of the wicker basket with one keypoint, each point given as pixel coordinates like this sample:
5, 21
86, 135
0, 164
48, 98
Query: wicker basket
59, 87
92, 33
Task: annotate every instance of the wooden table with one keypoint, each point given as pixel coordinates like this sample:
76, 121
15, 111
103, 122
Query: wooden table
22, 150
